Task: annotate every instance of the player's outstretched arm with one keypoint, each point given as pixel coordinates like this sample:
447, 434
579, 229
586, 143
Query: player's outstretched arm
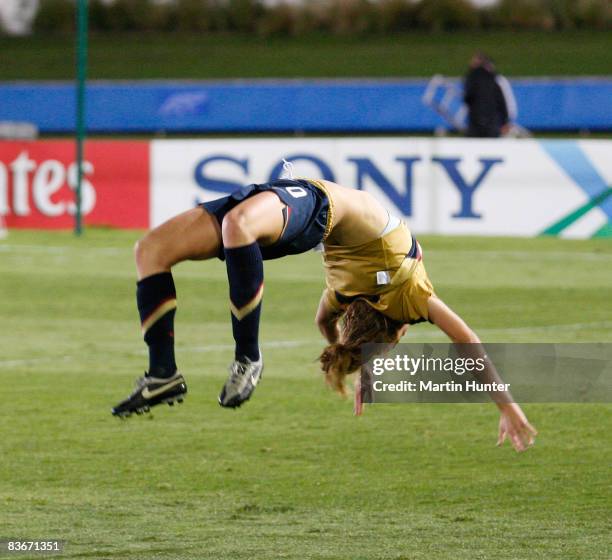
513, 423
326, 319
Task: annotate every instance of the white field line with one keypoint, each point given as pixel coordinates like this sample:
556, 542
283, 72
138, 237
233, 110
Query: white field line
570, 327
566, 327
61, 250
308, 342
562, 327
520, 255
264, 346
187, 349
30, 361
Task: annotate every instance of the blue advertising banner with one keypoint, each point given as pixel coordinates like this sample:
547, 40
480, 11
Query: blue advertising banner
288, 105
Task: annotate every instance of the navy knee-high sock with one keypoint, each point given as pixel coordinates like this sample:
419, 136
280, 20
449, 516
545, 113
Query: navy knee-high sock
245, 275
156, 299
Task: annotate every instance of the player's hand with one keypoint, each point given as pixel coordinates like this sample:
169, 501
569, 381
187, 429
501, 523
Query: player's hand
513, 424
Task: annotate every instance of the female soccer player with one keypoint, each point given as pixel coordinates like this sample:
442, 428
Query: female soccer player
375, 280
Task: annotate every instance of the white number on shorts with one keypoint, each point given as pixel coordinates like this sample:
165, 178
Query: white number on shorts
296, 192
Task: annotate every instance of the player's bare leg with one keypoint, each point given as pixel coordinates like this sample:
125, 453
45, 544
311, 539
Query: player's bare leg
257, 220
193, 235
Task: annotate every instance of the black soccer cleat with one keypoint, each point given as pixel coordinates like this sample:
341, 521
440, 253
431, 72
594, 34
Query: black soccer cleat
241, 383
151, 391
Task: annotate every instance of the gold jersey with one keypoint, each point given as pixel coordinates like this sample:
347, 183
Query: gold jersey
381, 272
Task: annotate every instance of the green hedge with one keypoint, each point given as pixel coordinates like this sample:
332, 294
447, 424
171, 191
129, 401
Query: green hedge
333, 16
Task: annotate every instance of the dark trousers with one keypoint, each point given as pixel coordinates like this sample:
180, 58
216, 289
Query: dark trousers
479, 131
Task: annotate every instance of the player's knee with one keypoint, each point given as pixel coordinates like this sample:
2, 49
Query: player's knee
141, 250
147, 251
235, 223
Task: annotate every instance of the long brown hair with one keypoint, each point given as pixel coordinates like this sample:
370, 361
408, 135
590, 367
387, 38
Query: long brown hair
361, 324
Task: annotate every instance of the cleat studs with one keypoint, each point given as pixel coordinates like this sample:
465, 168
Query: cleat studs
170, 403
179, 401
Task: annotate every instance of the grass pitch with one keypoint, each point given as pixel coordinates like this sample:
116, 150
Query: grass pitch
292, 474
221, 56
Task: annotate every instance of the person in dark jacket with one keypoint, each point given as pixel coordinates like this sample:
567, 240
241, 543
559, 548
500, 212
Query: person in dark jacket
489, 98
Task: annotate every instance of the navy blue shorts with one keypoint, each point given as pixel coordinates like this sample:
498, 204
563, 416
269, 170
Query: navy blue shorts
306, 215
